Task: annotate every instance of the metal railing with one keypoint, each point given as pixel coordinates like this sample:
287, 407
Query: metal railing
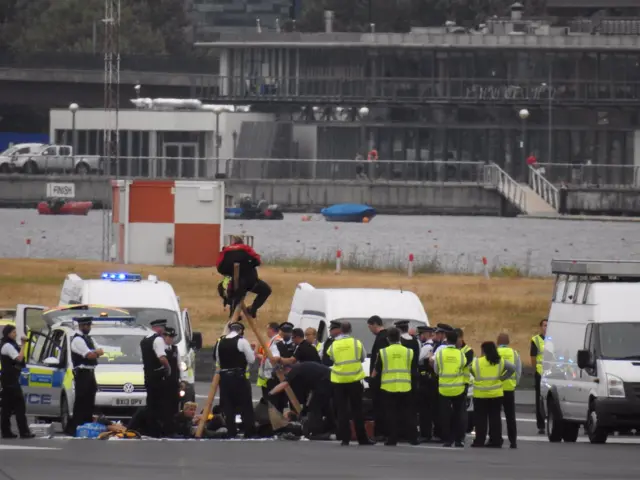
591, 175
543, 188
433, 89
507, 186
205, 64
277, 169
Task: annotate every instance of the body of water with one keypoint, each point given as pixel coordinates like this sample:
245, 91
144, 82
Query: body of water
458, 243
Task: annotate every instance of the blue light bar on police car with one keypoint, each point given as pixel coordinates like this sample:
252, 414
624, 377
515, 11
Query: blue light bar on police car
121, 276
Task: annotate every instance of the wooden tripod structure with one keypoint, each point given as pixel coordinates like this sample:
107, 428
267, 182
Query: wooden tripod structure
215, 382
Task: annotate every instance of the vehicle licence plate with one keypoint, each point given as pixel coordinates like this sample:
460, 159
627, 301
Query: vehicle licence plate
129, 402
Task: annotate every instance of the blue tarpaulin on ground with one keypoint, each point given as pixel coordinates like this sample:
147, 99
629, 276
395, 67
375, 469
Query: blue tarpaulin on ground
12, 138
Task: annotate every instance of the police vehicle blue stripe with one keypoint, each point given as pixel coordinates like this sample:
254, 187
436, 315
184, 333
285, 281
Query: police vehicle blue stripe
58, 378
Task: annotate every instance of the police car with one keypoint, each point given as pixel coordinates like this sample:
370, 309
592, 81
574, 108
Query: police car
145, 299
47, 379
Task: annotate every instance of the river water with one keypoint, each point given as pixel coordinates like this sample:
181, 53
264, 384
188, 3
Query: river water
456, 243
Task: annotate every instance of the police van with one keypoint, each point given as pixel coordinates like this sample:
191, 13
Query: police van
144, 299
317, 307
47, 378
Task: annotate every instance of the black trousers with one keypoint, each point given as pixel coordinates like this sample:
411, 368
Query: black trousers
379, 417
320, 411
13, 404
539, 413
261, 289
509, 405
348, 401
85, 401
451, 411
280, 400
399, 408
427, 404
235, 397
158, 419
172, 403
487, 410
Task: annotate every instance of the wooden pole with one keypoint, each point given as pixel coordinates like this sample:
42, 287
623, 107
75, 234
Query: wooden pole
205, 413
263, 343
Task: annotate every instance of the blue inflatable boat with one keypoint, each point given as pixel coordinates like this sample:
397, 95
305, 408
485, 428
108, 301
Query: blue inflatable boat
348, 212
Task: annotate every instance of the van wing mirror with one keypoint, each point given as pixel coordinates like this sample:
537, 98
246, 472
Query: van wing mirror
196, 340
584, 359
51, 362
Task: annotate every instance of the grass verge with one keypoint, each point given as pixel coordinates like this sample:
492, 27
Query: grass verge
483, 308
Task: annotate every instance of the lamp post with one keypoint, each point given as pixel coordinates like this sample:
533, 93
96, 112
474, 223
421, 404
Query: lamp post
550, 136
218, 110
363, 112
524, 114
73, 108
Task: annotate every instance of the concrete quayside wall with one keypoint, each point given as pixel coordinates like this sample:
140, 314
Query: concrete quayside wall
388, 197
293, 195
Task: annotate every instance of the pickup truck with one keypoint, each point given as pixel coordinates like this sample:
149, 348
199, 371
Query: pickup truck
7, 157
56, 158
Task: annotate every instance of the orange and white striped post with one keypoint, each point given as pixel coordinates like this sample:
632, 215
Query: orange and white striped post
485, 267
27, 243
338, 261
410, 267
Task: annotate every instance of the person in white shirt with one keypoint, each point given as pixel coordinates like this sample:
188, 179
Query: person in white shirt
12, 361
234, 355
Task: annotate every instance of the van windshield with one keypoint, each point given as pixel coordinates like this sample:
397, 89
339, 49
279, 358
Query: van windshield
144, 317
360, 329
119, 349
619, 341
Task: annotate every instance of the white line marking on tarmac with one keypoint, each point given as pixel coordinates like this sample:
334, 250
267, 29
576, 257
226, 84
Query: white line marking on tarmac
25, 447
611, 440
527, 420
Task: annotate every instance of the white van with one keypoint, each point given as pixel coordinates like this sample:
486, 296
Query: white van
591, 365
146, 300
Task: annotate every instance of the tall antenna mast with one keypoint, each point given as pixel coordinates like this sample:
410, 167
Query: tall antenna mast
111, 145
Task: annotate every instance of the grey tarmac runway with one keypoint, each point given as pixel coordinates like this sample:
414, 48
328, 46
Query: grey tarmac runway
535, 459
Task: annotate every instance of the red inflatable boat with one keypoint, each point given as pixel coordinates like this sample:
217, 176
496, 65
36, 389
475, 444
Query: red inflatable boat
64, 208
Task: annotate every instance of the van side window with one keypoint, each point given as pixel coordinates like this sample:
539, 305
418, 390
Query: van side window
322, 328
587, 336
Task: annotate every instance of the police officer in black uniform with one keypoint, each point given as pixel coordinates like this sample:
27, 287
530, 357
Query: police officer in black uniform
156, 373
173, 381
334, 331
427, 384
234, 354
286, 332
12, 361
84, 356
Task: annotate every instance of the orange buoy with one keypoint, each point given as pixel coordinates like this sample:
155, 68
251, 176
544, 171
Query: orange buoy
365, 220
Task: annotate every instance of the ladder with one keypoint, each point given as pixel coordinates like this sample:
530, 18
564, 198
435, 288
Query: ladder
583, 273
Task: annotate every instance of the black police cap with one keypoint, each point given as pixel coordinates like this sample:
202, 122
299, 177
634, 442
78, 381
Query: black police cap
83, 320
334, 324
236, 326
170, 332
161, 322
425, 329
443, 327
401, 323
286, 327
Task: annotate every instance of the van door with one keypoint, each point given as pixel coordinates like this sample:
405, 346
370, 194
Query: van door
42, 377
29, 318
588, 377
190, 352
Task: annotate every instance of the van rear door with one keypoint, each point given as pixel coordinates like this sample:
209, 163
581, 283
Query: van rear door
30, 317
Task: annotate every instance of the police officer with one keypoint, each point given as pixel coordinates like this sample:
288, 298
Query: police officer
173, 380
509, 387
537, 354
394, 365
234, 354
84, 356
413, 344
334, 331
427, 384
449, 363
468, 354
12, 361
376, 327
156, 373
286, 332
347, 354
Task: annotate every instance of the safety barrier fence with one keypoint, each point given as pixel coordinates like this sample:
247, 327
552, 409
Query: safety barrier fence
543, 188
507, 186
256, 168
590, 175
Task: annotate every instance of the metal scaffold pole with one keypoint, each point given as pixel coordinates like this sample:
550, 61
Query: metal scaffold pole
111, 142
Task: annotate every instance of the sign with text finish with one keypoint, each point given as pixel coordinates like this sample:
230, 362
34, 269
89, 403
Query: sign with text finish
61, 190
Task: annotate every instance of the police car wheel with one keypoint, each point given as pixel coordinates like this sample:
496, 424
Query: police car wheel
65, 416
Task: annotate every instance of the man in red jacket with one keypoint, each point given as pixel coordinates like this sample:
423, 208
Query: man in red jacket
248, 260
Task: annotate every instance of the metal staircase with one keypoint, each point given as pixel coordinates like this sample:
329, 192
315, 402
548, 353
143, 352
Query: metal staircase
539, 197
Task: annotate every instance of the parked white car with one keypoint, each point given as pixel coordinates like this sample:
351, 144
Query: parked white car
11, 154
56, 159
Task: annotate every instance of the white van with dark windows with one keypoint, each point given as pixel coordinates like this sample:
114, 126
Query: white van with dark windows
591, 363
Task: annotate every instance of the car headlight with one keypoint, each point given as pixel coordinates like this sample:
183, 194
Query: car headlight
183, 366
615, 386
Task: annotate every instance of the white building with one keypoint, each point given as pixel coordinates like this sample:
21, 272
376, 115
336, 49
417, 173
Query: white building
170, 143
